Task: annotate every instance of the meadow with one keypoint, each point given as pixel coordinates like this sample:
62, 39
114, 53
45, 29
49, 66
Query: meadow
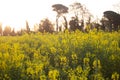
61, 56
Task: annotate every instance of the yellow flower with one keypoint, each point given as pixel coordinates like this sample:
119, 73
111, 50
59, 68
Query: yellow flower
74, 56
53, 49
6, 55
53, 74
30, 71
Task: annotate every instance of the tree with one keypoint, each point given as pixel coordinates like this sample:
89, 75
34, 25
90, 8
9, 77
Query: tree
13, 32
7, 31
60, 9
27, 27
73, 24
113, 19
1, 29
76, 8
80, 11
46, 26
105, 24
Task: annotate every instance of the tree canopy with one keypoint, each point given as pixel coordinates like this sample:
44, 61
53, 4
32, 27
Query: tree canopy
46, 26
113, 19
7, 31
79, 10
60, 9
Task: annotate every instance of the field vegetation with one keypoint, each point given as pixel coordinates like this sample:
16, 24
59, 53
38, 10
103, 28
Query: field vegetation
61, 56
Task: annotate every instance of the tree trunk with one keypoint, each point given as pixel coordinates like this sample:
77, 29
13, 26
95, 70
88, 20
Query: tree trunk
65, 25
57, 17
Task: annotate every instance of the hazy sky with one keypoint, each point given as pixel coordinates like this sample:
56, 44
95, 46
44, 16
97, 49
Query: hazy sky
16, 12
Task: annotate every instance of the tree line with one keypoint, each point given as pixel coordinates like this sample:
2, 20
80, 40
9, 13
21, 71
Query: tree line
80, 20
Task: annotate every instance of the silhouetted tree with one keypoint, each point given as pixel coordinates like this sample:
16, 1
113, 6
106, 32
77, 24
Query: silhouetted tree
46, 26
113, 19
76, 8
80, 12
13, 33
7, 31
20, 32
60, 9
95, 25
105, 24
1, 29
74, 24
27, 27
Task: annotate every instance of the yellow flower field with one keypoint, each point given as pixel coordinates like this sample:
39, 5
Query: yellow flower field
61, 56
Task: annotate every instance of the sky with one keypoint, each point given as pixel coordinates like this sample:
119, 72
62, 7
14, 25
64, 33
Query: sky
15, 12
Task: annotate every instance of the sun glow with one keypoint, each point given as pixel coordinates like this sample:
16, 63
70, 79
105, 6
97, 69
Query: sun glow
15, 12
